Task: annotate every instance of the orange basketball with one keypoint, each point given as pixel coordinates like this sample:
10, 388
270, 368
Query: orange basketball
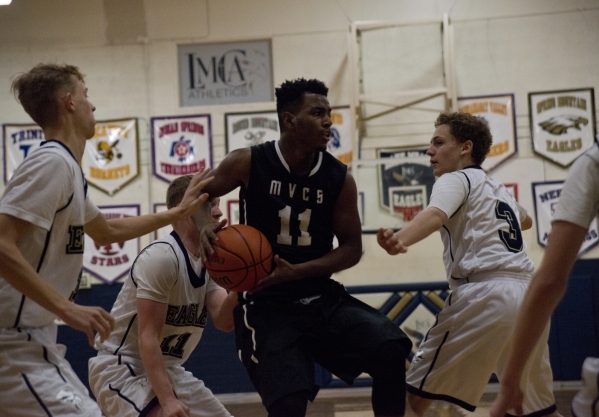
242, 257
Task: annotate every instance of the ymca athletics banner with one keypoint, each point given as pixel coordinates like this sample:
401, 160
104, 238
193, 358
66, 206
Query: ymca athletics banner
499, 113
113, 261
225, 73
181, 145
18, 141
546, 196
562, 123
111, 157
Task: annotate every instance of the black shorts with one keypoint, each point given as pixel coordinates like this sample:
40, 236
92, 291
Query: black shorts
281, 341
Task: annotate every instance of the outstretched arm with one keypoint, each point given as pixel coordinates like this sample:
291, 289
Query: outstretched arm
104, 231
546, 289
424, 224
15, 269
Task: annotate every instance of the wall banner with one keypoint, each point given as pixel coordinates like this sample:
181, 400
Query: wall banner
113, 261
243, 130
562, 123
341, 144
499, 113
546, 195
18, 141
111, 157
180, 145
225, 73
406, 183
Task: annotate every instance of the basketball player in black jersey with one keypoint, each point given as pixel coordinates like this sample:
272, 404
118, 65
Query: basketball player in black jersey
300, 196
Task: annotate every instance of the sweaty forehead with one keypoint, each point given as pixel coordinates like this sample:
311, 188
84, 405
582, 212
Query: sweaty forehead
316, 100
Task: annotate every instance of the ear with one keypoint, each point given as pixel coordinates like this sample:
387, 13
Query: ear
67, 100
467, 147
288, 120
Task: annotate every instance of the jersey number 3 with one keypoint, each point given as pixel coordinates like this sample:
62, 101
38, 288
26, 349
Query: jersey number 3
512, 238
285, 237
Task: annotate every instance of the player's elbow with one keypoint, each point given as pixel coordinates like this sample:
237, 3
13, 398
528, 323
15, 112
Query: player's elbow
224, 325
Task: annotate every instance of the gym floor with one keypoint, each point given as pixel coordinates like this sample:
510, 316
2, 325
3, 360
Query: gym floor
355, 402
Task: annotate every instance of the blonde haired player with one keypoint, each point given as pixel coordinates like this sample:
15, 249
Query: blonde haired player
161, 312
487, 269
44, 212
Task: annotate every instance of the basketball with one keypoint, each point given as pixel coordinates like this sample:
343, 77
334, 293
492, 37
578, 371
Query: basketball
242, 257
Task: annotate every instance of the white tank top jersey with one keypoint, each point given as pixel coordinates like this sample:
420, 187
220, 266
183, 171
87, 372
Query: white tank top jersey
164, 272
482, 233
579, 201
49, 191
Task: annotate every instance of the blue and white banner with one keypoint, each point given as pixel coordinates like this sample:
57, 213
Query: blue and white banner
546, 196
181, 145
243, 130
18, 141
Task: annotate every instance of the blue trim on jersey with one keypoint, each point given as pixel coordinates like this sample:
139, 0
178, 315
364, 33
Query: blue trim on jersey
56, 142
118, 392
442, 397
51, 363
153, 403
196, 281
126, 334
37, 397
434, 361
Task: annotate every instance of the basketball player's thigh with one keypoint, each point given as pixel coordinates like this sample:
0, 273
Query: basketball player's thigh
36, 380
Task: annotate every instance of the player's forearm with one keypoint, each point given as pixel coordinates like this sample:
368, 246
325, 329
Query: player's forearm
421, 226
223, 316
151, 357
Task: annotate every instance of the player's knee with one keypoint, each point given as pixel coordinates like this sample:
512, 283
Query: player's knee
390, 358
292, 405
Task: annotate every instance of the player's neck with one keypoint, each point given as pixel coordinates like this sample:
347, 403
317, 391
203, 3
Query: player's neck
69, 138
299, 160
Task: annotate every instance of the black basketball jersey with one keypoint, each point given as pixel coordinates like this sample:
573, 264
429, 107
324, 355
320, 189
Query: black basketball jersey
294, 212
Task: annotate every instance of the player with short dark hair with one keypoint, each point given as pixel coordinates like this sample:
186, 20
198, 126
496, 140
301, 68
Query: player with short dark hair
487, 269
300, 197
44, 212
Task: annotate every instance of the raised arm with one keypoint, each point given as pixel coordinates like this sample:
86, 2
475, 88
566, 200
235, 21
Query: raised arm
104, 231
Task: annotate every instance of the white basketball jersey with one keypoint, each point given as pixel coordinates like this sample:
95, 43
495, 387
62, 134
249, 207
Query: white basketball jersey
482, 232
163, 272
49, 191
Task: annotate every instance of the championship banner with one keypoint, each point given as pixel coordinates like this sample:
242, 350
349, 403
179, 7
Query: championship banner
499, 113
562, 123
341, 145
405, 185
113, 261
18, 141
111, 157
546, 195
163, 231
180, 145
243, 130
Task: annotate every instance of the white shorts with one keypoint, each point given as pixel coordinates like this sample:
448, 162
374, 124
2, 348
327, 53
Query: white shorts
586, 401
36, 379
469, 342
122, 389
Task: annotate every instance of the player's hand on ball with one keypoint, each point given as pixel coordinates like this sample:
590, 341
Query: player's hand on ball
207, 236
387, 239
90, 320
283, 272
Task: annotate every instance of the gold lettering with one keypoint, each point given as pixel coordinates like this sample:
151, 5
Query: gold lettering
546, 104
564, 145
109, 174
499, 108
499, 148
